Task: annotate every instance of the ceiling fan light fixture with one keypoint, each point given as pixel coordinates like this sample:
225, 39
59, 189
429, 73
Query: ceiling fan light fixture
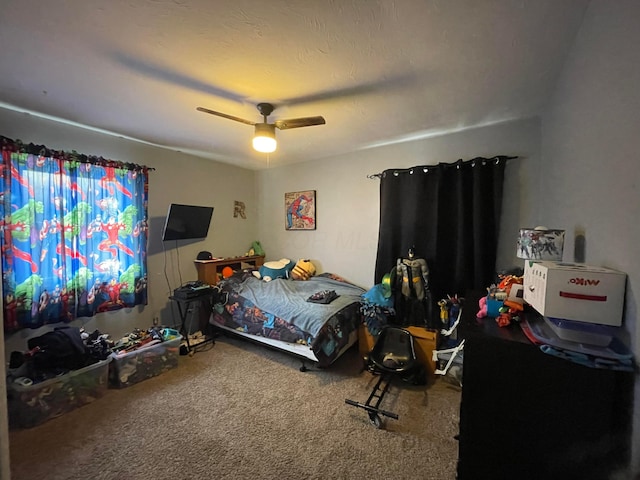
264, 139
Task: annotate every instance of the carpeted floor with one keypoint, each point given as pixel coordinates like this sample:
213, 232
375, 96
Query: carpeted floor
243, 411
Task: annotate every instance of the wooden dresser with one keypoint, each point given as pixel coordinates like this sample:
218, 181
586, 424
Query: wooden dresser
209, 271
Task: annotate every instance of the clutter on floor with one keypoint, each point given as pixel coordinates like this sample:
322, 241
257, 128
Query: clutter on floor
144, 354
67, 367
449, 355
61, 370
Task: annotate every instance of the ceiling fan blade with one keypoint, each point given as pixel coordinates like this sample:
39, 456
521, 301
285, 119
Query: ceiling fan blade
224, 115
299, 122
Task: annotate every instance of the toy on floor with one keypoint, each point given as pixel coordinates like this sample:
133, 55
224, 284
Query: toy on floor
412, 297
450, 315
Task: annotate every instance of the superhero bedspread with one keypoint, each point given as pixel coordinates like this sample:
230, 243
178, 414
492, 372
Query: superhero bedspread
280, 313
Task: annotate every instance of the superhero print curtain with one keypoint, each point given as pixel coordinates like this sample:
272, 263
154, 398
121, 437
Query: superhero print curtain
74, 236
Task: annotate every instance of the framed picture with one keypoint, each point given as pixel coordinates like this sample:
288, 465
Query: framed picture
540, 244
300, 210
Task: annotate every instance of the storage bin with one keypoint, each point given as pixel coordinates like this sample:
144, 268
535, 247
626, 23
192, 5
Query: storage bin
582, 332
129, 368
31, 405
574, 291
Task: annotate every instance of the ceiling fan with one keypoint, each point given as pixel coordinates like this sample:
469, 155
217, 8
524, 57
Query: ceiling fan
265, 133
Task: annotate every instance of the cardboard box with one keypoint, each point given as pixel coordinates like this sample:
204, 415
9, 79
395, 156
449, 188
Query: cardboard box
31, 405
424, 343
574, 291
129, 368
365, 340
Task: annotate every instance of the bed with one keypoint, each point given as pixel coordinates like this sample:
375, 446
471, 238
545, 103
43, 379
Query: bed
277, 313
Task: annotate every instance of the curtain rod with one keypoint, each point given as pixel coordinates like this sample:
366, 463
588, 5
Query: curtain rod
33, 149
497, 159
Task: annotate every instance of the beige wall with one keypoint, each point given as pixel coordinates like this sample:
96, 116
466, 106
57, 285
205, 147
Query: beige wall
591, 166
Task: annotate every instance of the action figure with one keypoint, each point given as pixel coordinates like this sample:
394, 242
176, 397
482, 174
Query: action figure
411, 291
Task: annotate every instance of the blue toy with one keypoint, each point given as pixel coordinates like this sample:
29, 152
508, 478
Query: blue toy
275, 269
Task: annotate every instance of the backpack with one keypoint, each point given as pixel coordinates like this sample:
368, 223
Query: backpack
61, 348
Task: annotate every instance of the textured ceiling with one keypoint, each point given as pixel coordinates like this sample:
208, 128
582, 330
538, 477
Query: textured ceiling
378, 71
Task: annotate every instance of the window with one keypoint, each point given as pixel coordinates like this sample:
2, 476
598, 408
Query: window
74, 235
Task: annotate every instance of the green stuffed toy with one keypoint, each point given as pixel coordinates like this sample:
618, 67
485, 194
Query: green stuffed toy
274, 269
256, 249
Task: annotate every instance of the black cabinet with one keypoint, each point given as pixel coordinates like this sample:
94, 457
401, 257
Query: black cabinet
528, 415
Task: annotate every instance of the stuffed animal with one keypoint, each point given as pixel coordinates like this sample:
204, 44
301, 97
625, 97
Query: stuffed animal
256, 249
303, 270
274, 269
482, 303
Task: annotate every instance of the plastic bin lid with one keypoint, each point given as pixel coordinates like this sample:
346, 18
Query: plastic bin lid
545, 335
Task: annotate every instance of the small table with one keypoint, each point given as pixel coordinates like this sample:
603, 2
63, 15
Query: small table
183, 309
208, 270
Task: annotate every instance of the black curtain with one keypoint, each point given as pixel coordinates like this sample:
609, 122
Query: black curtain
450, 215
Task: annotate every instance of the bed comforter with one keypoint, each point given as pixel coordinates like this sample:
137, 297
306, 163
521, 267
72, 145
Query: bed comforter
280, 310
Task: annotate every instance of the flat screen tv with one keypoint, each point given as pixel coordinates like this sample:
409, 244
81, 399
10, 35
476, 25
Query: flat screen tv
185, 222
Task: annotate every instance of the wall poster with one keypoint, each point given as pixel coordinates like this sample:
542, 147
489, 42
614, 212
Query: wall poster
300, 210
